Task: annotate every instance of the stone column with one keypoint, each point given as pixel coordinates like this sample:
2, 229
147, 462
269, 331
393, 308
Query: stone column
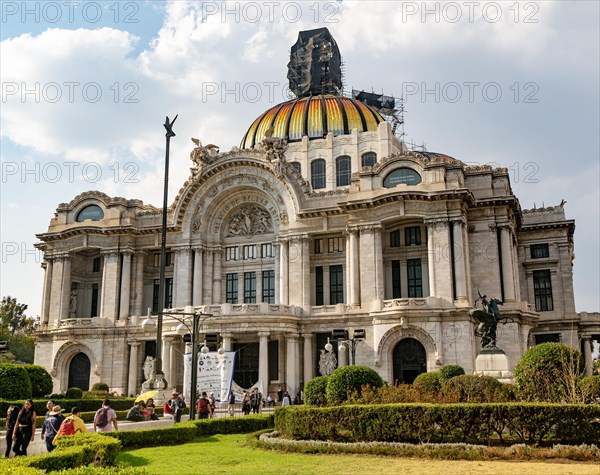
277, 258
371, 264
138, 294
460, 258
125, 286
134, 366
507, 263
431, 258
354, 297
198, 274
343, 356
283, 272
326, 286
110, 285
263, 361
227, 345
305, 271
65, 298
291, 357
308, 357
440, 252
166, 358
47, 290
173, 363
56, 289
587, 355
183, 274
216, 295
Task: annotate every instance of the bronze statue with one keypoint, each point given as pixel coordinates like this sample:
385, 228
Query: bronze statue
488, 317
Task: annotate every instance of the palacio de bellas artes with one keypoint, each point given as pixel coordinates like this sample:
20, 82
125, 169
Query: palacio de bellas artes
322, 226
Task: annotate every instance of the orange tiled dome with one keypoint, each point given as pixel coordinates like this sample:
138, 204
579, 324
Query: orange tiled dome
315, 117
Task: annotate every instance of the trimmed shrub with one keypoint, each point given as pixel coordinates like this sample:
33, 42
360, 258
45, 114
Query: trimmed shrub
450, 371
347, 379
100, 387
74, 393
15, 383
547, 372
428, 385
41, 381
314, 391
472, 388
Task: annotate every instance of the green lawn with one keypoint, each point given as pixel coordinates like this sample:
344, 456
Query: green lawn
227, 454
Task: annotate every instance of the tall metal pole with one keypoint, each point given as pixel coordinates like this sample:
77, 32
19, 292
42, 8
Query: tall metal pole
159, 378
194, 375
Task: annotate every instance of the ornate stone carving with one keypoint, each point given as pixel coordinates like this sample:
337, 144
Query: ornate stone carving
248, 221
201, 156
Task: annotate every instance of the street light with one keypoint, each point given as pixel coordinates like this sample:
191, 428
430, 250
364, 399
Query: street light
342, 337
183, 329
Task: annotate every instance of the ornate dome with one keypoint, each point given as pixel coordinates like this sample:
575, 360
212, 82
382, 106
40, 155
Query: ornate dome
314, 117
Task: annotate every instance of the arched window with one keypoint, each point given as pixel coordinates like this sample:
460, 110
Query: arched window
317, 174
93, 212
297, 166
342, 171
369, 159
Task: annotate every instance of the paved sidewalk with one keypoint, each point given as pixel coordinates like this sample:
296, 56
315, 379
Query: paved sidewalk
38, 446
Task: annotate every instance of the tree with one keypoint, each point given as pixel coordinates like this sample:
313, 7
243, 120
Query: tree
16, 328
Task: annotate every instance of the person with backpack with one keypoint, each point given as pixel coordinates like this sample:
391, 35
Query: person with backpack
52, 425
11, 422
71, 425
203, 407
104, 417
24, 431
177, 406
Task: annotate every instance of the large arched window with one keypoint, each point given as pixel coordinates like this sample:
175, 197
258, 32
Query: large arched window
93, 212
317, 174
369, 159
342, 171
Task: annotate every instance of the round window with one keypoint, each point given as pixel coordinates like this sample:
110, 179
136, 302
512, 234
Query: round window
93, 212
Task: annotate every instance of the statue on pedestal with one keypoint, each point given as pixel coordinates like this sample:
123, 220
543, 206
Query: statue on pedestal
488, 316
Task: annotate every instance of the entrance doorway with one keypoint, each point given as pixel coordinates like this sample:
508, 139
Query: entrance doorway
245, 372
409, 359
79, 372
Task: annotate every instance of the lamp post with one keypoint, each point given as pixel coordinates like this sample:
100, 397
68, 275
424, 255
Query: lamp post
183, 329
343, 338
158, 381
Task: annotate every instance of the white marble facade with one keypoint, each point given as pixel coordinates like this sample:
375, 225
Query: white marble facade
279, 265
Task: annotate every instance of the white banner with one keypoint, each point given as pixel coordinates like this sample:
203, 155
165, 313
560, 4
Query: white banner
215, 374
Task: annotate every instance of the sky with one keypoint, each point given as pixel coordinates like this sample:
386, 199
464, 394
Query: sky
86, 86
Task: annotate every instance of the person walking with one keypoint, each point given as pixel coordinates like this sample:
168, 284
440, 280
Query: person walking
11, 421
49, 407
25, 428
177, 406
286, 399
203, 407
231, 406
105, 417
255, 400
51, 426
246, 403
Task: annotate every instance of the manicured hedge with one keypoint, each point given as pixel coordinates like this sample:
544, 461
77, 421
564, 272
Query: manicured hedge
348, 379
314, 391
443, 423
41, 381
15, 382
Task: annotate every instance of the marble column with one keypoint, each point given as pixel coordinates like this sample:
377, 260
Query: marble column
507, 263
125, 286
371, 264
216, 295
183, 274
283, 272
47, 290
138, 293
587, 355
173, 363
227, 341
308, 357
431, 257
110, 285
326, 286
277, 259
291, 367
343, 356
134, 366
354, 271
65, 299
460, 274
198, 274
263, 361
305, 242
166, 358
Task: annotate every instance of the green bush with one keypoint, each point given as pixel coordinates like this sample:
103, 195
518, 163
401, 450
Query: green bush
74, 393
428, 385
472, 388
41, 381
314, 391
347, 379
450, 371
443, 423
589, 387
15, 382
546, 372
100, 387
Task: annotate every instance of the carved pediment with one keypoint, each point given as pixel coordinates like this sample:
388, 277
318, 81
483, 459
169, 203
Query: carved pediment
248, 221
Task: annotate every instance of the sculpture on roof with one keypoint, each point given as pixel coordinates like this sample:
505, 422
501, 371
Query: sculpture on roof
202, 155
274, 149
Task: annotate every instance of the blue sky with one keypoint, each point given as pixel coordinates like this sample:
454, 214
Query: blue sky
85, 89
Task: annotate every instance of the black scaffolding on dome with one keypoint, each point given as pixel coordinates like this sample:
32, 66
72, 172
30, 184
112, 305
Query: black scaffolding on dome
315, 65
